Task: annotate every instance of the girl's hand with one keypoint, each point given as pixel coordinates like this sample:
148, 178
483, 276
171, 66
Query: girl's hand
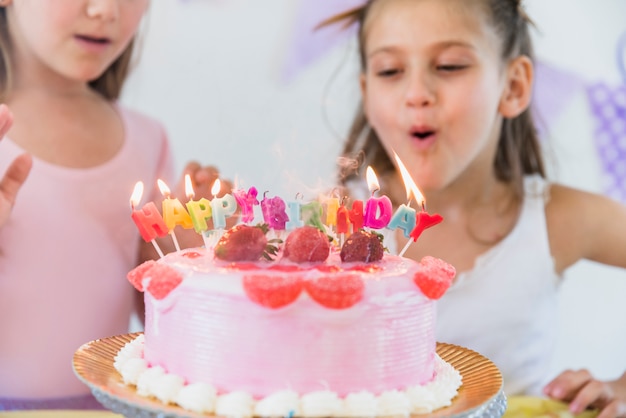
582, 391
202, 179
15, 175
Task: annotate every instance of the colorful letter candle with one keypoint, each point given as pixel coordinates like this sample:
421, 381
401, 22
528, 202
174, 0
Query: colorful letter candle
148, 219
199, 210
174, 212
343, 219
294, 215
423, 220
403, 218
332, 206
356, 215
274, 212
312, 214
378, 209
247, 201
221, 207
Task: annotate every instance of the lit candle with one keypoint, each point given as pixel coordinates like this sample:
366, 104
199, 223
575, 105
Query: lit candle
274, 212
423, 220
174, 212
378, 209
199, 210
404, 217
221, 207
148, 220
247, 201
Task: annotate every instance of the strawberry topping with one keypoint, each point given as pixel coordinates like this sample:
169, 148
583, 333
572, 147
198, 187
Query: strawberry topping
272, 291
163, 279
363, 246
307, 244
135, 276
337, 291
434, 278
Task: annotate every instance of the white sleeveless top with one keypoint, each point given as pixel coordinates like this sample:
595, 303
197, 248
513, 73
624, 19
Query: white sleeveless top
506, 307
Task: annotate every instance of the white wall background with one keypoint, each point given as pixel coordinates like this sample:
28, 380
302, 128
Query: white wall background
211, 71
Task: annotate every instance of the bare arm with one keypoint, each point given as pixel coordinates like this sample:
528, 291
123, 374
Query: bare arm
584, 225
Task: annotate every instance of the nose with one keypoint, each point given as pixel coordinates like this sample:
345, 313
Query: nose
420, 90
103, 9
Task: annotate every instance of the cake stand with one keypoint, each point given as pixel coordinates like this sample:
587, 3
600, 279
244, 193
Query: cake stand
480, 395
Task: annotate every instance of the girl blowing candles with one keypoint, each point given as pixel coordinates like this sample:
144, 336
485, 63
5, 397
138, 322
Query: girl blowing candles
446, 84
68, 243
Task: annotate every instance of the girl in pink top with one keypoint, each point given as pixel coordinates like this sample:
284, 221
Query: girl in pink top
68, 242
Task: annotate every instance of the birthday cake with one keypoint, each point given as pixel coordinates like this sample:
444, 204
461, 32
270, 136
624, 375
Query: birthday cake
318, 331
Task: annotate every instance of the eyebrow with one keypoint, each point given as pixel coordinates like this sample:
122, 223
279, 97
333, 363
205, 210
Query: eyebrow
438, 46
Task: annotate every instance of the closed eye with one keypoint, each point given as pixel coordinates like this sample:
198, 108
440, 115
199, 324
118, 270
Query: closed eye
450, 68
388, 73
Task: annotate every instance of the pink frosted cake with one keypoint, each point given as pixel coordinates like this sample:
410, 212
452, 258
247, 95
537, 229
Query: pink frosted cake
314, 332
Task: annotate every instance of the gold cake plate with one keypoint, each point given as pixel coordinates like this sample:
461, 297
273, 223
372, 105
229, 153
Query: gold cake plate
480, 395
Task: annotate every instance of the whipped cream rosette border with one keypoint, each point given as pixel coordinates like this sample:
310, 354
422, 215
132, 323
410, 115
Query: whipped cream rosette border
203, 398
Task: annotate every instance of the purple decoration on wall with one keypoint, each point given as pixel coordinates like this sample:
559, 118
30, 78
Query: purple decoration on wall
552, 92
307, 43
609, 110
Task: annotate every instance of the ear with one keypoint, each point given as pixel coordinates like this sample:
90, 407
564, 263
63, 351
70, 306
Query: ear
5, 3
518, 87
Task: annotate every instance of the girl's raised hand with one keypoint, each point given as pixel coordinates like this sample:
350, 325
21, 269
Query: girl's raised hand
15, 175
202, 179
582, 391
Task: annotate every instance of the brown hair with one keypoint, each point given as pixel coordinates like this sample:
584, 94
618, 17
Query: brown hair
518, 152
109, 84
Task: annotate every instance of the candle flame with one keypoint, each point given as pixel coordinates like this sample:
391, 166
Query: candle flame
409, 185
135, 197
165, 191
189, 187
372, 180
216, 187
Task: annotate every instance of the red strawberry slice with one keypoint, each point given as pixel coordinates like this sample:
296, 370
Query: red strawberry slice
135, 276
272, 291
163, 279
336, 291
434, 263
434, 278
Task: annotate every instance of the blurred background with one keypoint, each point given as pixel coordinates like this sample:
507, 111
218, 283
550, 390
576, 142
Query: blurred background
248, 86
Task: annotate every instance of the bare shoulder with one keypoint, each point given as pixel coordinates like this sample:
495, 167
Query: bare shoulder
584, 225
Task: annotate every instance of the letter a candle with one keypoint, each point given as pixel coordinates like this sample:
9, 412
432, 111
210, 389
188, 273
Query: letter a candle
423, 220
